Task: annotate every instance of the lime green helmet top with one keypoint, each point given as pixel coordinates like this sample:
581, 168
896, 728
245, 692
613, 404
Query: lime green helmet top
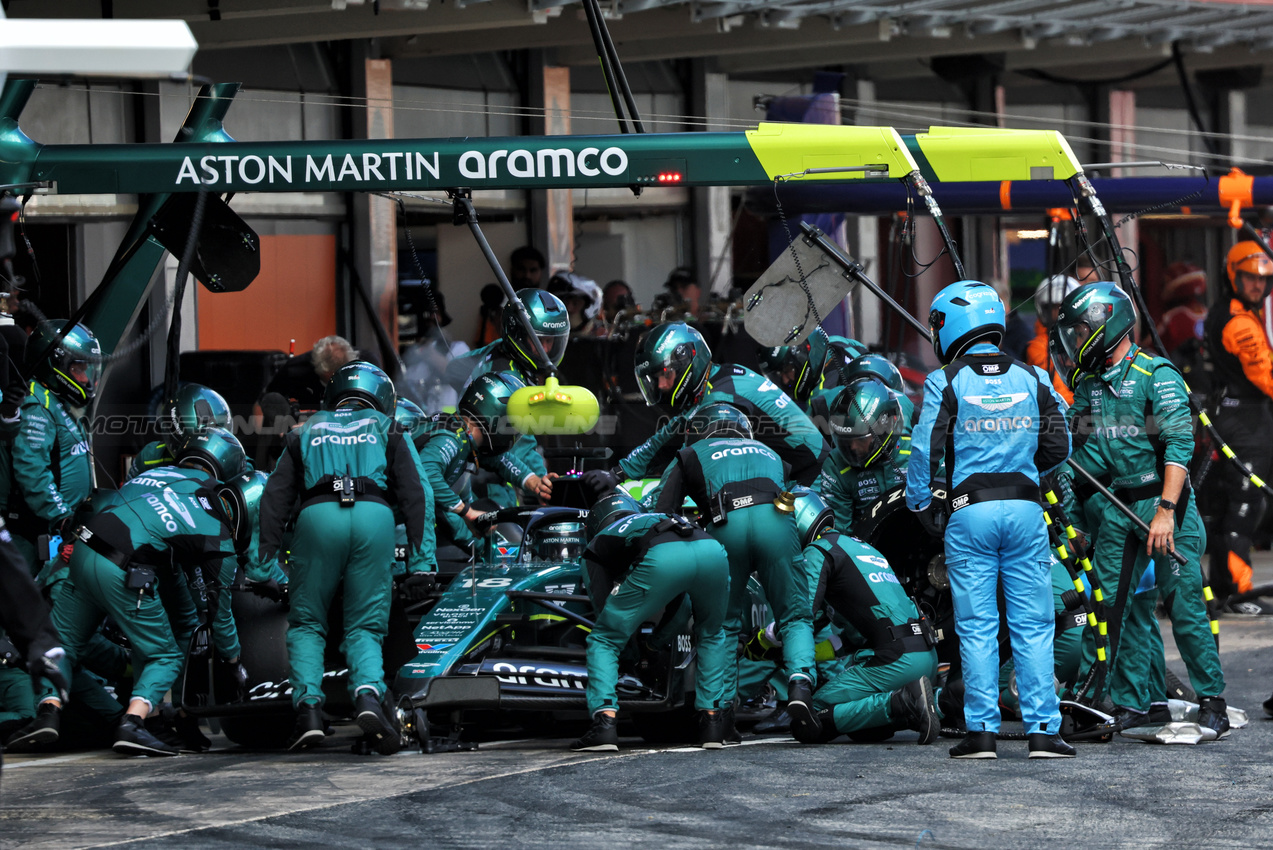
874, 366
193, 410
71, 366
551, 322
608, 509
813, 515
215, 450
1093, 320
360, 382
672, 365
716, 420
864, 423
241, 497
486, 403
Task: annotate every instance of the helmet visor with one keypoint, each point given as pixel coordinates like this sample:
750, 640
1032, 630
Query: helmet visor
86, 373
1073, 340
658, 386
1061, 361
555, 347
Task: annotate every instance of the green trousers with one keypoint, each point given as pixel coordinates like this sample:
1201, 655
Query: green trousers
763, 540
1120, 556
698, 568
858, 697
332, 545
96, 590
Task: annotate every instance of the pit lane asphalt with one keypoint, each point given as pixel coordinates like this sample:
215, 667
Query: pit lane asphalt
767, 793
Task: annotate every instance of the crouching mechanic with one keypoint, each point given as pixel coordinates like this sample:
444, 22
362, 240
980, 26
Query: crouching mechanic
1132, 421
125, 553
734, 480
345, 465
999, 425
653, 559
888, 681
193, 411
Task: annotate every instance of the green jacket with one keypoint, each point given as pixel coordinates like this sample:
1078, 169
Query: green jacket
52, 466
744, 471
855, 581
849, 491
365, 445
1132, 421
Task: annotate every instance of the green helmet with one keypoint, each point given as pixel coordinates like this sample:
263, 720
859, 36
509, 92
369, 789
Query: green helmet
813, 515
797, 368
364, 383
672, 365
716, 420
486, 403
194, 410
864, 422
610, 509
71, 367
1093, 320
875, 366
408, 416
215, 450
241, 497
551, 322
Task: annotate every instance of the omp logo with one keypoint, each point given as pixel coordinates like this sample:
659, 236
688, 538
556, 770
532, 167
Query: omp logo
958, 502
743, 450
743, 502
1002, 423
996, 402
338, 440
990, 369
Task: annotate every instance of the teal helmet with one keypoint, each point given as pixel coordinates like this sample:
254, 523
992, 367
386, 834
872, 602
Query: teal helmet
241, 498
865, 423
193, 410
551, 322
485, 402
71, 366
672, 365
408, 416
813, 515
610, 509
215, 450
875, 366
797, 369
363, 383
771, 361
1093, 320
717, 420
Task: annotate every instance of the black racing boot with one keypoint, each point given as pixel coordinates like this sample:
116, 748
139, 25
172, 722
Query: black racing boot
822, 732
1130, 718
1047, 746
732, 736
777, 723
603, 737
42, 731
913, 705
711, 729
371, 718
192, 737
308, 731
800, 704
1268, 706
1213, 714
1159, 714
950, 701
975, 745
133, 739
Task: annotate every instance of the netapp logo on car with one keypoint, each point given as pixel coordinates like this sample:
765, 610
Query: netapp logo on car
385, 166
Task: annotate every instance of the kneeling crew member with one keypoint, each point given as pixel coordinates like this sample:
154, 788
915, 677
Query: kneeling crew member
653, 559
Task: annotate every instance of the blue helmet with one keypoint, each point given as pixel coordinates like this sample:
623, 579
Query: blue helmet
965, 313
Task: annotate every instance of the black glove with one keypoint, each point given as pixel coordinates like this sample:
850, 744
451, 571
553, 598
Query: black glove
13, 397
415, 587
933, 519
269, 589
46, 666
601, 481
230, 678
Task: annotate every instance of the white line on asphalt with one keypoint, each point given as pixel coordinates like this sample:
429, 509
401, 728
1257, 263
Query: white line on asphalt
43, 762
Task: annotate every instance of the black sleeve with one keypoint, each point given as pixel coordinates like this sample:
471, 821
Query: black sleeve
407, 489
281, 492
23, 612
607, 556
1054, 438
942, 435
672, 493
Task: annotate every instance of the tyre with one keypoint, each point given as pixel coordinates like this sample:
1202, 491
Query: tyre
262, 626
